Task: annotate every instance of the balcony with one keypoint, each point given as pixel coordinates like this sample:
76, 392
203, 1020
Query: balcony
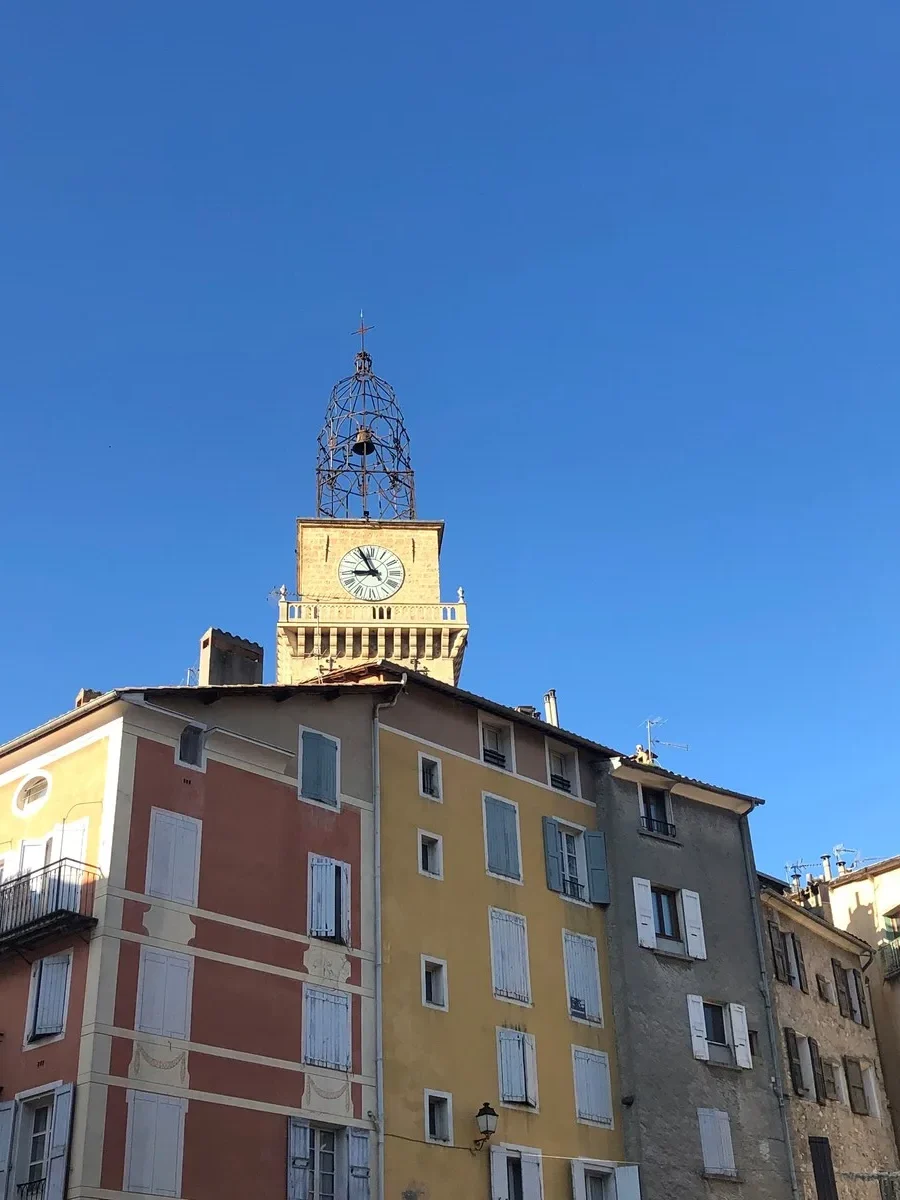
33, 1190
889, 954
561, 782
299, 612
655, 825
55, 899
573, 887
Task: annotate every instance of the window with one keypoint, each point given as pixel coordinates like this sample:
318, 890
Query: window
439, 1117
593, 1180
154, 1141
315, 1158
431, 854
669, 920
31, 794
326, 1027
319, 767
501, 838
715, 1142
823, 1168
851, 993
575, 861
655, 811
562, 768
34, 1143
430, 784
48, 997
517, 1067
173, 856
190, 747
719, 1032
859, 1101
582, 977
165, 981
516, 1173
826, 989
509, 956
434, 983
787, 953
593, 1099
329, 899
496, 744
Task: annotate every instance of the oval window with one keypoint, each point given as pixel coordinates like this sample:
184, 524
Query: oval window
31, 794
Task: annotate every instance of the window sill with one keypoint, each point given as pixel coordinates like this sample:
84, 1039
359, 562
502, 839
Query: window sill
717, 1178
678, 955
724, 1066
659, 837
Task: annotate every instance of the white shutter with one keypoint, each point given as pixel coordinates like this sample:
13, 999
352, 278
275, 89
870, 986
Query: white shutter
164, 993
499, 1184
593, 1099
697, 1020
358, 1156
509, 956
7, 1112
740, 1035
187, 860
177, 1009
693, 924
579, 1185
715, 1140
582, 976
628, 1184
321, 896
167, 1156
173, 856
511, 1052
643, 908
326, 1020
531, 1070
60, 1131
531, 1175
51, 984
154, 1144
298, 1159
345, 902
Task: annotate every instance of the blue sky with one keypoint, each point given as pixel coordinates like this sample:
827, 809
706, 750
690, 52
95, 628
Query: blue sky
633, 268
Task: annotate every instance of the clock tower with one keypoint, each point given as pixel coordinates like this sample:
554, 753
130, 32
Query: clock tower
368, 572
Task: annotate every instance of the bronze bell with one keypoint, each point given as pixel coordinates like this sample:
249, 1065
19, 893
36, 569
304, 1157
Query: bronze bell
364, 443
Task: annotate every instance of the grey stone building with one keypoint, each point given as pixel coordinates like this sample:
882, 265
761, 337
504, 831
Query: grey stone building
702, 1094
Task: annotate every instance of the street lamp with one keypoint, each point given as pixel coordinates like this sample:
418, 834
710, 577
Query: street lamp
486, 1120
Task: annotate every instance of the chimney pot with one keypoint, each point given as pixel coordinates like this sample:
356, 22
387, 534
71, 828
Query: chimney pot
826, 866
551, 712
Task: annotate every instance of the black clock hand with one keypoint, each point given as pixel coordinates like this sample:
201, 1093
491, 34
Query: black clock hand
368, 562
365, 573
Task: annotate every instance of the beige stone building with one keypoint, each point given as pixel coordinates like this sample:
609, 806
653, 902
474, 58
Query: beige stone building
842, 1139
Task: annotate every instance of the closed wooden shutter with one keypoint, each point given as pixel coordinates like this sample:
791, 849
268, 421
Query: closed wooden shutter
173, 857
858, 1101
818, 1073
51, 986
801, 965
715, 1141
823, 1168
593, 1100
511, 1053
358, 1157
326, 1027
740, 1036
502, 838
840, 985
298, 1159
531, 1175
582, 976
598, 871
697, 1025
509, 956
628, 1186
7, 1112
154, 1144
499, 1186
552, 855
793, 1057
695, 942
321, 897
779, 958
643, 909
60, 1133
861, 997
164, 993
318, 771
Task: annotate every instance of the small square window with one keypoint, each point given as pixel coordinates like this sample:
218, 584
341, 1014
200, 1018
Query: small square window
496, 745
190, 747
438, 1117
753, 1038
434, 983
431, 856
665, 914
563, 768
430, 778
655, 811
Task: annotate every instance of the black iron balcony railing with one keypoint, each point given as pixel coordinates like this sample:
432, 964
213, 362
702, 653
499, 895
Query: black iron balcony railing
495, 757
573, 887
32, 1190
655, 825
890, 959
54, 899
560, 781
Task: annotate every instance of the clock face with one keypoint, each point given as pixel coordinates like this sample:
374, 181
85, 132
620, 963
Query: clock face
371, 572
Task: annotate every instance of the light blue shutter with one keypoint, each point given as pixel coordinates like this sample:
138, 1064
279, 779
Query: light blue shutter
50, 1007
161, 854
186, 859
513, 1087
7, 1112
593, 1098
502, 838
151, 1001
154, 1144
60, 1129
176, 1006
326, 1019
344, 931
509, 952
298, 1159
319, 767
321, 896
628, 1186
552, 856
582, 976
598, 874
358, 1155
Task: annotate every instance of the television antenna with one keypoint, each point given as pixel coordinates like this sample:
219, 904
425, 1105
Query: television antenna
648, 753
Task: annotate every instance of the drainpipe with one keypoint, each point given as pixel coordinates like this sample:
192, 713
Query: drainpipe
750, 868
379, 1031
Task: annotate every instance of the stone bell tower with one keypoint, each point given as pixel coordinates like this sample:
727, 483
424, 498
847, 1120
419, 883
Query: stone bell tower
368, 572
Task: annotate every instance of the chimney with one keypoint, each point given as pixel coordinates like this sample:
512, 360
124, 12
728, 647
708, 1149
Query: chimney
551, 712
225, 659
528, 710
826, 866
85, 696
795, 882
841, 866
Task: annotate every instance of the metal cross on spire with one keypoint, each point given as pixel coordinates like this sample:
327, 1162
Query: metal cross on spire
363, 468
